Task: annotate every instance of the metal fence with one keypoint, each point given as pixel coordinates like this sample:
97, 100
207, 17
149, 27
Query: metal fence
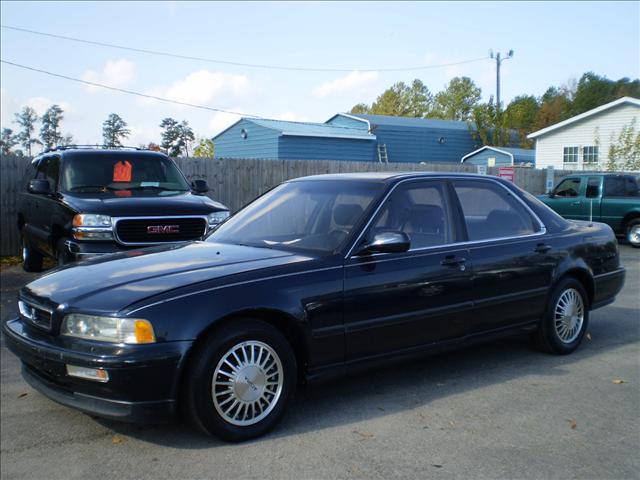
236, 181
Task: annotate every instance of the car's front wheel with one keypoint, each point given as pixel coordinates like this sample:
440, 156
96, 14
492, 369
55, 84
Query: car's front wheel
566, 318
240, 380
633, 233
31, 259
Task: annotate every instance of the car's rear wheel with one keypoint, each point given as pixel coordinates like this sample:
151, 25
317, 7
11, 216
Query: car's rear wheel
31, 259
633, 233
240, 380
566, 318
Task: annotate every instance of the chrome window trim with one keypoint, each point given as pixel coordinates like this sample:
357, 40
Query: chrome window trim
163, 217
542, 231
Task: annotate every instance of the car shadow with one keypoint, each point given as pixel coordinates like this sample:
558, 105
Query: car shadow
414, 384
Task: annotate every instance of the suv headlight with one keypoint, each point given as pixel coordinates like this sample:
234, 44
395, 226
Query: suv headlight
108, 329
216, 218
90, 226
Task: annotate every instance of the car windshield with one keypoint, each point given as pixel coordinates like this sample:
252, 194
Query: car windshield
102, 172
309, 215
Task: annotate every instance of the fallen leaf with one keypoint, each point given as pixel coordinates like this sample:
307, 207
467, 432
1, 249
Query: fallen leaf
437, 465
364, 435
618, 381
116, 440
588, 335
572, 423
22, 395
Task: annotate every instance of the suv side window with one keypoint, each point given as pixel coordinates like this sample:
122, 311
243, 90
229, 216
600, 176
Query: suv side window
490, 211
620, 187
569, 187
52, 172
593, 187
419, 209
41, 171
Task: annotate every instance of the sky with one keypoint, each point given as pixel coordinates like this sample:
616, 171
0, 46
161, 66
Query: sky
554, 42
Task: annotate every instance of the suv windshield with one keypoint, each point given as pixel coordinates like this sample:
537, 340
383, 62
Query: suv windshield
304, 215
100, 172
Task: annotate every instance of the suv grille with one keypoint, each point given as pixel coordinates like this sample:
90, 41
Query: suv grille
155, 230
35, 315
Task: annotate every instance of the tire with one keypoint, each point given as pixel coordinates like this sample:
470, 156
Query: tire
563, 334
632, 233
258, 397
31, 259
63, 256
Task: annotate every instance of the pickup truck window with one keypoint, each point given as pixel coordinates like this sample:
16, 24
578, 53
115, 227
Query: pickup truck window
569, 187
620, 187
593, 187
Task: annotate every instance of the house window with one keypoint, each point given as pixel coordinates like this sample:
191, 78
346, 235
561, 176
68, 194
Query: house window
571, 154
590, 154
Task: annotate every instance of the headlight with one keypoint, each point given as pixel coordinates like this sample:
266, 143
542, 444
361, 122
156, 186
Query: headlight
217, 217
108, 329
91, 220
89, 226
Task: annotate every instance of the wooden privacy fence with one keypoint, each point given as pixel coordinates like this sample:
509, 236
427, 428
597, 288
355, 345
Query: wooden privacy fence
236, 181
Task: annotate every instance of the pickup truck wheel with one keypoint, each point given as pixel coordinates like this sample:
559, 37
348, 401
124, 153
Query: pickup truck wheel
566, 318
62, 252
240, 380
633, 232
31, 260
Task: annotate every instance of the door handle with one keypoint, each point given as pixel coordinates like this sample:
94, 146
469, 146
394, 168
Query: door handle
542, 248
575, 203
453, 261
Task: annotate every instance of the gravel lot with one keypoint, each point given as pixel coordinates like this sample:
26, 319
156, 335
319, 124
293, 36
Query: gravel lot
499, 410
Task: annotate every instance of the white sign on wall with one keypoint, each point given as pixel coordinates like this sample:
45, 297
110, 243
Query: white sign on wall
550, 178
482, 169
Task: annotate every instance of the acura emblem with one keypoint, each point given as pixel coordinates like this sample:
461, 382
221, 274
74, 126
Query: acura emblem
162, 229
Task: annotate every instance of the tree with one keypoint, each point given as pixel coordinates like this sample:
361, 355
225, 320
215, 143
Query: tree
8, 140
457, 100
489, 124
624, 152
50, 131
555, 107
114, 130
401, 100
204, 148
176, 136
154, 147
360, 108
27, 119
520, 115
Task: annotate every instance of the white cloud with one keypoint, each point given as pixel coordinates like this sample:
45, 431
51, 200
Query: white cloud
291, 117
41, 104
220, 121
143, 135
8, 107
115, 73
204, 87
353, 81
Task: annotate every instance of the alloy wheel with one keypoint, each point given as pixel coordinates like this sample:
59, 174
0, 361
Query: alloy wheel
569, 315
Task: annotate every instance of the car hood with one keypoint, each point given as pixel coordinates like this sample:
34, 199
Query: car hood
113, 282
126, 203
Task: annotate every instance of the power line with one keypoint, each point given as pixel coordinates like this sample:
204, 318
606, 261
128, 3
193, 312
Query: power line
122, 90
238, 64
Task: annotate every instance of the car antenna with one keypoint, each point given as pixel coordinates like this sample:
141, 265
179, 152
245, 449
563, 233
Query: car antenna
591, 212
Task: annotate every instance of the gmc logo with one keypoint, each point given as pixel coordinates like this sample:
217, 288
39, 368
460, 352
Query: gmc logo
162, 229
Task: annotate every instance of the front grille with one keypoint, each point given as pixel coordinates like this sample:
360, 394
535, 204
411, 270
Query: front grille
156, 230
36, 315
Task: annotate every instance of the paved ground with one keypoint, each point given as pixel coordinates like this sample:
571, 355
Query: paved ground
500, 410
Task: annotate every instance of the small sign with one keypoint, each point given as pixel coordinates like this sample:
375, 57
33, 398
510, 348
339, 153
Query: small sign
482, 169
491, 161
550, 178
508, 173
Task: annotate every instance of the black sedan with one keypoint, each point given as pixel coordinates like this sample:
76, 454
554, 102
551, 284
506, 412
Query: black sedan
318, 277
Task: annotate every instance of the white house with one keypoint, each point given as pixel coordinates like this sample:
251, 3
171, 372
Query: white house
582, 142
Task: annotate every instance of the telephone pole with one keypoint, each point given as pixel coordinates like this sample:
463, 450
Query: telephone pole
499, 59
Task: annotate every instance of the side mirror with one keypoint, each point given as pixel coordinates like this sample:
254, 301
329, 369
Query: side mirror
200, 186
39, 186
551, 194
387, 242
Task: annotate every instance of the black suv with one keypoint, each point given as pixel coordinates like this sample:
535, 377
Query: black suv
82, 202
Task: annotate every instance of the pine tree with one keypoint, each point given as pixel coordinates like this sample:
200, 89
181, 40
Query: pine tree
50, 131
8, 141
114, 130
27, 119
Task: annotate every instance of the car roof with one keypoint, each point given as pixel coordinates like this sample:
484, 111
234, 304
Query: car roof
384, 177
80, 152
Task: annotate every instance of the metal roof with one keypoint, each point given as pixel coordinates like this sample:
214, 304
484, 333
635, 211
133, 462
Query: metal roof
308, 129
412, 122
582, 116
518, 155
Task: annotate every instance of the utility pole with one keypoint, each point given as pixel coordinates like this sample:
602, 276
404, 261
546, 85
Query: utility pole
499, 61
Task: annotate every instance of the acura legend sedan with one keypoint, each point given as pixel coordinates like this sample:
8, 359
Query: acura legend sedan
319, 276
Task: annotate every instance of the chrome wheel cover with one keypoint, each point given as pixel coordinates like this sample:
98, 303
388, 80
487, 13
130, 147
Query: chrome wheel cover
247, 383
634, 235
568, 315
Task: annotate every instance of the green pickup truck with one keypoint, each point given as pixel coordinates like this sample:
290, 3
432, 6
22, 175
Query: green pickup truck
610, 198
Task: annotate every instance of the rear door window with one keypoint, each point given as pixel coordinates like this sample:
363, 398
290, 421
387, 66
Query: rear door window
569, 187
491, 211
593, 187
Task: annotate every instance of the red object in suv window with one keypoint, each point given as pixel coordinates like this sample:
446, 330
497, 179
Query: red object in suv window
122, 171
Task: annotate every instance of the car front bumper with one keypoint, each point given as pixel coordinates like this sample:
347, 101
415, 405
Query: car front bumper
143, 381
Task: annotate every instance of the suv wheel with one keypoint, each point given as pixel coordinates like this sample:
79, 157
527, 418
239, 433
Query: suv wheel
633, 233
566, 318
240, 380
31, 259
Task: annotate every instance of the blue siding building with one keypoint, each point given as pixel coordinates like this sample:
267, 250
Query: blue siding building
501, 156
356, 137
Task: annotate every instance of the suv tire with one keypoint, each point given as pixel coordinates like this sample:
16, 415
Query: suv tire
31, 259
